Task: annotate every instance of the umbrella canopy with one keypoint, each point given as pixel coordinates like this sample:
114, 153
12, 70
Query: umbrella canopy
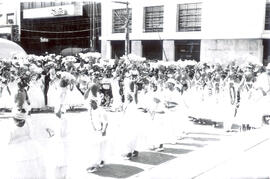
9, 49
70, 51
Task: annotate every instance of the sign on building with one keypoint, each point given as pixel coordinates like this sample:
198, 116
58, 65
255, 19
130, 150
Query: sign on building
55, 11
42, 39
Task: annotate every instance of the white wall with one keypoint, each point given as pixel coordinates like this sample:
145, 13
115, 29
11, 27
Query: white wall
169, 26
221, 19
233, 19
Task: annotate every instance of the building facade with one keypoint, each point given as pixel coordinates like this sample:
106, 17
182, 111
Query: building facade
10, 21
53, 26
201, 30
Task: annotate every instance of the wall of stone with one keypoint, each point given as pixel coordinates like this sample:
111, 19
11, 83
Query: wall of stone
228, 50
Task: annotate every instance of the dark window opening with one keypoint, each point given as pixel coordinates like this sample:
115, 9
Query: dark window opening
118, 49
266, 51
267, 17
152, 49
187, 50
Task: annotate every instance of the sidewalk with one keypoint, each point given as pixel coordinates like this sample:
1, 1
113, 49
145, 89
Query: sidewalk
198, 163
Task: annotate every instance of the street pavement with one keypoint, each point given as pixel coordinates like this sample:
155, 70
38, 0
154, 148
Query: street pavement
203, 152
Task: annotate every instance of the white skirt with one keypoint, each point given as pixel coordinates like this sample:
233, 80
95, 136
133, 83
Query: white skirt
25, 160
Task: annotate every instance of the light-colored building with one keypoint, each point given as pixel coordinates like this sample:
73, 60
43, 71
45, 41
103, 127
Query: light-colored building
204, 30
10, 20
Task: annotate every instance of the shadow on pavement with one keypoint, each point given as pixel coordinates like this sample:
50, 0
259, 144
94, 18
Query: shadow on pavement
191, 144
176, 151
152, 158
202, 138
117, 171
204, 133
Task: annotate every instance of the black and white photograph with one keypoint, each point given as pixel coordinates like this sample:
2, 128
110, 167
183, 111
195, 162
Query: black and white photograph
135, 89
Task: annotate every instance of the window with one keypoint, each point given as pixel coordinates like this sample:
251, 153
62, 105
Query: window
189, 17
119, 20
267, 17
153, 19
152, 49
10, 18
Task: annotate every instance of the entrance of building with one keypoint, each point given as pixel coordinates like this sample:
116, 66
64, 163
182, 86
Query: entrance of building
152, 49
187, 50
118, 49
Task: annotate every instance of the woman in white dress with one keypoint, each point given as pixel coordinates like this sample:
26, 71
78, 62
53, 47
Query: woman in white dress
65, 85
176, 116
99, 123
117, 102
84, 140
6, 95
74, 98
36, 94
156, 130
54, 90
129, 129
24, 154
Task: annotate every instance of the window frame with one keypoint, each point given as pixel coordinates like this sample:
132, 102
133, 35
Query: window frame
160, 22
191, 20
13, 18
117, 29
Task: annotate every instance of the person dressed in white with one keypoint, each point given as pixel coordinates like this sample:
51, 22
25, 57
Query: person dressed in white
156, 133
129, 129
36, 93
65, 85
82, 143
25, 155
262, 89
54, 90
5, 94
99, 123
117, 103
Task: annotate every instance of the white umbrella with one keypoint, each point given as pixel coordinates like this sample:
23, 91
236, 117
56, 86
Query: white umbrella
9, 49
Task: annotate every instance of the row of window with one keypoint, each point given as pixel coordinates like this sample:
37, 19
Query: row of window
33, 5
188, 19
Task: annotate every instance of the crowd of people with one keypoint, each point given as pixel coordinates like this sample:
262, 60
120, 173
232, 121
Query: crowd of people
155, 102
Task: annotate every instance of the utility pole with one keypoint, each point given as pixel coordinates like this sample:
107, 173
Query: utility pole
94, 26
127, 48
90, 26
